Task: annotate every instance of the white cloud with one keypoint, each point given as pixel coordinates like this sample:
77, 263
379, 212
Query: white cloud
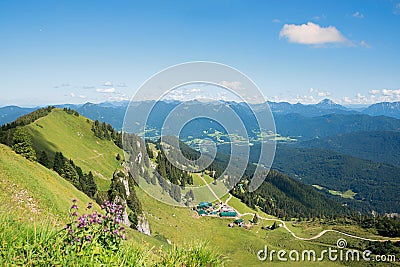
375, 96
194, 90
120, 97
360, 97
358, 15
388, 92
276, 21
82, 96
312, 96
319, 93
121, 85
375, 92
397, 8
88, 87
105, 90
306, 99
312, 34
315, 95
365, 44
232, 85
347, 99
323, 16
62, 85
323, 94
71, 94
108, 84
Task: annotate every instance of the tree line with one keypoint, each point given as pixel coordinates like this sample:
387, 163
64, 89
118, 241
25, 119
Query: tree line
170, 172
285, 198
70, 172
107, 132
71, 111
7, 130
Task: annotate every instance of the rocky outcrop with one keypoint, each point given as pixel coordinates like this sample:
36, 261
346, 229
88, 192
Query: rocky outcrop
125, 218
143, 225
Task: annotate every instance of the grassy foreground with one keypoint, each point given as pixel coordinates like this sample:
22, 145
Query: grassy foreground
41, 245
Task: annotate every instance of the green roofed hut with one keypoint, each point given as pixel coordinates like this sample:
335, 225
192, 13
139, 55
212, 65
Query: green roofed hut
204, 205
240, 220
202, 212
228, 214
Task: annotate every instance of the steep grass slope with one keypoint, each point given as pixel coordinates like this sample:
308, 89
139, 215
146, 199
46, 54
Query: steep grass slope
72, 135
30, 190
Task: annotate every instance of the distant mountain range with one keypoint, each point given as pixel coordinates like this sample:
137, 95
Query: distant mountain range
11, 113
390, 109
324, 107
297, 120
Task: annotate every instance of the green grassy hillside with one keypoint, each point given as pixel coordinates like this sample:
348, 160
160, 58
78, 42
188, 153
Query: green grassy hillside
72, 135
30, 190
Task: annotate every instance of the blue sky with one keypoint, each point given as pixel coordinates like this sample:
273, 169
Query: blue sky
299, 51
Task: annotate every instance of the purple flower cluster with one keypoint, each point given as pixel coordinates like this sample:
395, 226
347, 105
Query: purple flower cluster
104, 229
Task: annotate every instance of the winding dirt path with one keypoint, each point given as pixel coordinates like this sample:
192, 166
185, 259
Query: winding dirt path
229, 198
209, 187
321, 233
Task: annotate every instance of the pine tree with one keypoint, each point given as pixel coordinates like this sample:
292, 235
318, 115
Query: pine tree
88, 184
69, 173
149, 151
58, 164
255, 219
274, 226
22, 144
44, 159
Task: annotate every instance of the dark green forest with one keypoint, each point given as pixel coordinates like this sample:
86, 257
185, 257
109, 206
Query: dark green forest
378, 146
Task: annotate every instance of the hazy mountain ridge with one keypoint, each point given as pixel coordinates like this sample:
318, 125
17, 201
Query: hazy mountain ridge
390, 109
11, 113
113, 112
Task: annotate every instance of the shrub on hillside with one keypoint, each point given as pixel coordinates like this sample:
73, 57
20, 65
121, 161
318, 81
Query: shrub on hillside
22, 144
